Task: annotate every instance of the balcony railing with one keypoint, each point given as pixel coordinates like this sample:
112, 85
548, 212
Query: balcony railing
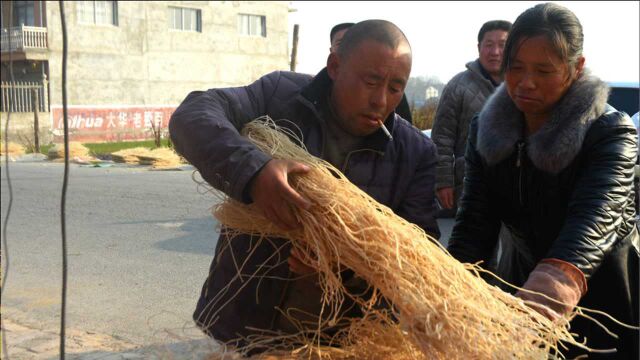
23, 38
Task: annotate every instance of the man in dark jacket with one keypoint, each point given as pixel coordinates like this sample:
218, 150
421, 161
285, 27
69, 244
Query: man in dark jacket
339, 114
463, 97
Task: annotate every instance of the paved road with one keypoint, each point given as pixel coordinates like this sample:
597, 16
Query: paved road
139, 246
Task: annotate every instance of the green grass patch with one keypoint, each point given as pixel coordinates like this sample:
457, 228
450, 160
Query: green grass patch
108, 148
44, 149
98, 149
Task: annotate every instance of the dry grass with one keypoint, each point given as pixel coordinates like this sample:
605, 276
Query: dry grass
129, 156
76, 150
14, 149
444, 308
160, 158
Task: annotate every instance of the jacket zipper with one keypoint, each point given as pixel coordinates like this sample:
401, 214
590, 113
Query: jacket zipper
519, 165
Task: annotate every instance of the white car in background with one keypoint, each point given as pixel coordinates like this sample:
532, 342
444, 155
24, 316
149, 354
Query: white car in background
625, 96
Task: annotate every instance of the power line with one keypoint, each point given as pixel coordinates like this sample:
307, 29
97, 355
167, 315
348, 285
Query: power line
6, 158
63, 199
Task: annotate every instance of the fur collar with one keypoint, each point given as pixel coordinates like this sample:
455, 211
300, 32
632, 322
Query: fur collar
557, 143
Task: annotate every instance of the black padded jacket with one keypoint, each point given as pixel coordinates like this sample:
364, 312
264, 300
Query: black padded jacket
565, 192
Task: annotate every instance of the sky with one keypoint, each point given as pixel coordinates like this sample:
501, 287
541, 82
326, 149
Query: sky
443, 35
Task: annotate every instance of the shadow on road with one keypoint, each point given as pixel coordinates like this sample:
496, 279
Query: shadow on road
193, 236
199, 236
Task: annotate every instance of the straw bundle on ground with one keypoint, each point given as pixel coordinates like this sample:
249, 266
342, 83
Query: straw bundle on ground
129, 156
13, 149
444, 309
161, 158
76, 150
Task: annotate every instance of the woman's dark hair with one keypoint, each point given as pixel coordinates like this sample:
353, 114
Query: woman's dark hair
556, 23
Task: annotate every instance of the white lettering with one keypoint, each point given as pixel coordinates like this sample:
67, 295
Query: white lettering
148, 117
157, 118
137, 120
122, 119
76, 122
111, 119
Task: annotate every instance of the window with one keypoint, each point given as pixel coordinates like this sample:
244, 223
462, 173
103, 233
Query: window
23, 13
185, 19
98, 12
252, 25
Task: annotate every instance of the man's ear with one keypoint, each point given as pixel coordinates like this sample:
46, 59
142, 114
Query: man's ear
579, 66
333, 65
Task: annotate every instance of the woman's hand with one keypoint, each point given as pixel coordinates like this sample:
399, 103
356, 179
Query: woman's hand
558, 280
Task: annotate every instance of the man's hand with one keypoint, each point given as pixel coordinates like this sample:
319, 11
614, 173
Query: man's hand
445, 196
296, 264
272, 193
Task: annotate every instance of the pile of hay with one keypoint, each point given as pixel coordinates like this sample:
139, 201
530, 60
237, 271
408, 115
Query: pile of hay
161, 158
14, 149
445, 310
129, 156
76, 151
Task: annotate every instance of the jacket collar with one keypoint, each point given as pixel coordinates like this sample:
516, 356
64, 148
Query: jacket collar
476, 68
559, 140
485, 74
313, 94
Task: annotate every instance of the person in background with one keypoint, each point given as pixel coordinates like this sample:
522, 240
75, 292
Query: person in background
463, 96
335, 36
339, 114
552, 161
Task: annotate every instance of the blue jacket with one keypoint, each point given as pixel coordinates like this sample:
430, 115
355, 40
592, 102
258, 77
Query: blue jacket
399, 174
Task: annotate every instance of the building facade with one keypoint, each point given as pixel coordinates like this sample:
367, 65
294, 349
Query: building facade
130, 63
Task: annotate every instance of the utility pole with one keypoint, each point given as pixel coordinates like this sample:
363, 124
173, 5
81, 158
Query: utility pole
294, 49
35, 103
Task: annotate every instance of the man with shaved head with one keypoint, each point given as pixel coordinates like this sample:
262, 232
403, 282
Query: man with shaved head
345, 115
336, 35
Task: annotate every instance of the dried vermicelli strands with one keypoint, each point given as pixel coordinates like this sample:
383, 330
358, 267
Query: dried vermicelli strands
442, 309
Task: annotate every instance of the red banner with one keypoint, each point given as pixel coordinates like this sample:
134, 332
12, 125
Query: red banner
88, 124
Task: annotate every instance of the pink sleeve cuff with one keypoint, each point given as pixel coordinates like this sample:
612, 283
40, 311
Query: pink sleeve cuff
570, 270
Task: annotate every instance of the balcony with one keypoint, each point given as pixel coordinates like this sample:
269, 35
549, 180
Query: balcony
25, 42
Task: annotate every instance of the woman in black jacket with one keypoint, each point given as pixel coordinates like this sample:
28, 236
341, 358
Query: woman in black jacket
549, 159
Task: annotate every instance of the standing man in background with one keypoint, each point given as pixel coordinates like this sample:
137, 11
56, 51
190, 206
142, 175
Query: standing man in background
462, 98
335, 36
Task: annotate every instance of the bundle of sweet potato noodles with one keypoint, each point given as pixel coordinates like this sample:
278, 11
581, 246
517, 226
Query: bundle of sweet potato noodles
444, 309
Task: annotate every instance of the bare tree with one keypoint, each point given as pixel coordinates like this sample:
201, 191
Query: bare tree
424, 115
